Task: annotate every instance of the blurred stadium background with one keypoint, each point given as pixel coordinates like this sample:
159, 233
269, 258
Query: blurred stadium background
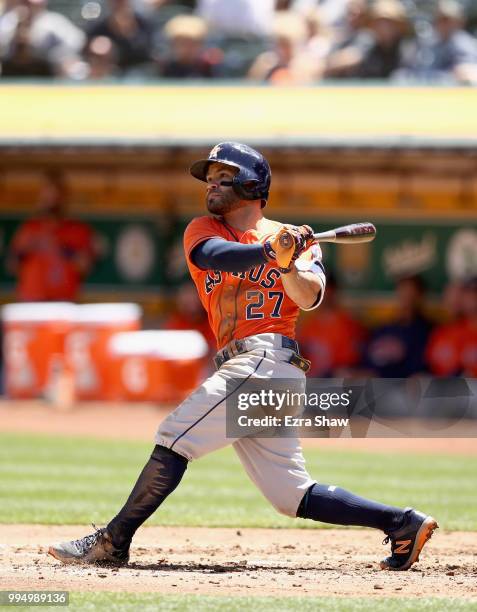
365, 112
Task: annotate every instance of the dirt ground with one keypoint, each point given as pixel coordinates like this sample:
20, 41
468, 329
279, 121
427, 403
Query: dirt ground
280, 562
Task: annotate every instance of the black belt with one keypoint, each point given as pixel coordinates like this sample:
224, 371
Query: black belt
238, 347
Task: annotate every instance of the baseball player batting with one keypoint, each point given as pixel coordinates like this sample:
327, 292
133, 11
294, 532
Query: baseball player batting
252, 287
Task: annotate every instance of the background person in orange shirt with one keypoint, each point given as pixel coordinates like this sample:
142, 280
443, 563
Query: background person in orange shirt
468, 347
452, 348
50, 254
443, 350
188, 313
330, 338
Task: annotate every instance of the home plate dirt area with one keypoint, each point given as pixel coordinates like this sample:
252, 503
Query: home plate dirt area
279, 562
216, 561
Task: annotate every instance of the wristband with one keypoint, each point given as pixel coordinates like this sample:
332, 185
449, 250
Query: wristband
268, 250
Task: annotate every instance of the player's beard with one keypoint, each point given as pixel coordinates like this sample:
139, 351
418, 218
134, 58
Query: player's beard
223, 203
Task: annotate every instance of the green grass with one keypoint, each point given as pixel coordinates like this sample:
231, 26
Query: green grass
151, 602
55, 480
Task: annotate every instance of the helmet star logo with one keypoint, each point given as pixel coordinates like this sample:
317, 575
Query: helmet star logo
215, 151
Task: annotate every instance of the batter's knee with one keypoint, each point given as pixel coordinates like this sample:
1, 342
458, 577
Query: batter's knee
286, 500
285, 507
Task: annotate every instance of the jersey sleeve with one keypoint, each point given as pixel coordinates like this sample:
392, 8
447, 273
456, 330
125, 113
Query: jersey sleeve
310, 261
199, 230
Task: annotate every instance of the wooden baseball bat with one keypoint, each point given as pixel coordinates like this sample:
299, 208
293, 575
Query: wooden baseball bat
347, 234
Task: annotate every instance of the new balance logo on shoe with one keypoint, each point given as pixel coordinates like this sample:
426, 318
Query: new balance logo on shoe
401, 549
408, 541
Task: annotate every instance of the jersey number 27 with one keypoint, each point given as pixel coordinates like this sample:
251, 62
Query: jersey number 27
256, 301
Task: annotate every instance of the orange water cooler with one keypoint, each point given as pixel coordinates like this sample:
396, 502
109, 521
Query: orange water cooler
86, 348
34, 341
158, 366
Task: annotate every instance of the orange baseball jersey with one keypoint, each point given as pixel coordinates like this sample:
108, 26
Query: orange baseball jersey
45, 248
241, 304
452, 349
331, 340
443, 351
469, 348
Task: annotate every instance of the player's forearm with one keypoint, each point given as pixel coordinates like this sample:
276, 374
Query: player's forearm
304, 288
216, 254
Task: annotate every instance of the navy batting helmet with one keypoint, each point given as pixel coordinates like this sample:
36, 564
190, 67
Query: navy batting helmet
252, 181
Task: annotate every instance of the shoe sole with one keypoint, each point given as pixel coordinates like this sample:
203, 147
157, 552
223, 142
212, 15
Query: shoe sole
424, 534
70, 560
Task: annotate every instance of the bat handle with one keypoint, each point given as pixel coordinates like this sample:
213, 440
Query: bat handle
286, 240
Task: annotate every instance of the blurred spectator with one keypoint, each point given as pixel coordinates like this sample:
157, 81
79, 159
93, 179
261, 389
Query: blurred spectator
187, 56
38, 42
350, 42
20, 58
443, 349
390, 29
237, 17
130, 31
397, 350
319, 41
330, 337
240, 29
189, 313
288, 61
386, 50
159, 12
50, 254
451, 53
101, 59
469, 328
332, 12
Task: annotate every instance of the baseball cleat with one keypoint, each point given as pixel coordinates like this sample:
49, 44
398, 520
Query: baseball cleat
408, 541
96, 549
